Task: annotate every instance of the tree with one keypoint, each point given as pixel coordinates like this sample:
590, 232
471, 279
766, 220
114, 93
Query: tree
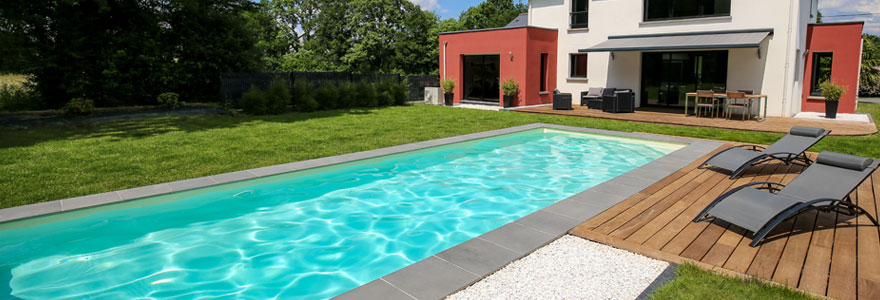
128, 52
869, 78
491, 14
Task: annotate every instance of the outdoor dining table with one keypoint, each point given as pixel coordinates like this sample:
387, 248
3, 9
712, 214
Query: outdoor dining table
750, 97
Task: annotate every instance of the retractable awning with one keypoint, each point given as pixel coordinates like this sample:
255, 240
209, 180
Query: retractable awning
682, 41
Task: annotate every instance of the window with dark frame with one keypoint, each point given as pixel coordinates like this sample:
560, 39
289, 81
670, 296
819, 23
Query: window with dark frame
578, 65
543, 72
685, 9
580, 13
821, 71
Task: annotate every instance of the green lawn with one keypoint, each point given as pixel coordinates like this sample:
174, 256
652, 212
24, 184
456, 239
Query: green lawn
691, 282
52, 163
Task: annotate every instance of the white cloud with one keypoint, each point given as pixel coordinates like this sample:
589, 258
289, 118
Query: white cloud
427, 4
861, 6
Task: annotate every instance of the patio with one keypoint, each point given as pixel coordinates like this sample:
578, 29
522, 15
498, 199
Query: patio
824, 254
676, 117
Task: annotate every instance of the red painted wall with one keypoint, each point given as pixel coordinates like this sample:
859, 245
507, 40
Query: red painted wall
525, 43
845, 42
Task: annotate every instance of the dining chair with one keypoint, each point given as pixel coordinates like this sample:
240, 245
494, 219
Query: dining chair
719, 90
706, 100
737, 100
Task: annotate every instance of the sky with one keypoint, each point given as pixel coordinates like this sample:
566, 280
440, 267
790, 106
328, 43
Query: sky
829, 9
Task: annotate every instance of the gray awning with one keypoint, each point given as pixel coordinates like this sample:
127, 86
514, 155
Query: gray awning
683, 41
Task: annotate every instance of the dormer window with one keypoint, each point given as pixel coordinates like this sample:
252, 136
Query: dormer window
580, 13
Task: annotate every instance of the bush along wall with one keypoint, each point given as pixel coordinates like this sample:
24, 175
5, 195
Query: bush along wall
307, 97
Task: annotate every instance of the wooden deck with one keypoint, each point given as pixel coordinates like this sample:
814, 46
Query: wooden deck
822, 253
675, 117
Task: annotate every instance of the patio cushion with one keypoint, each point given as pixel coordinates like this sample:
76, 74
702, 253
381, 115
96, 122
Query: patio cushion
594, 92
807, 131
846, 161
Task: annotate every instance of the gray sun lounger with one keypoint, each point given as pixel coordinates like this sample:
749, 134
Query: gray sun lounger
789, 149
824, 186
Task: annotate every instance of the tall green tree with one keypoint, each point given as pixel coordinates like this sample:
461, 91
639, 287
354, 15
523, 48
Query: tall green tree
491, 14
127, 52
869, 76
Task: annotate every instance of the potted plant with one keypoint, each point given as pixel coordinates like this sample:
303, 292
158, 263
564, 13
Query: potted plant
832, 93
448, 87
509, 88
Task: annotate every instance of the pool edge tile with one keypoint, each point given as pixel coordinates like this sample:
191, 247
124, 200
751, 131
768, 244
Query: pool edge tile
478, 256
144, 191
30, 210
90, 201
519, 238
431, 278
377, 289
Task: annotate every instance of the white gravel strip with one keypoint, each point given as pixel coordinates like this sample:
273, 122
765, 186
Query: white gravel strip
569, 268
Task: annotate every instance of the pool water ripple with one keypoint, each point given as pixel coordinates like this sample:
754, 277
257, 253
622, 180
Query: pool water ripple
312, 236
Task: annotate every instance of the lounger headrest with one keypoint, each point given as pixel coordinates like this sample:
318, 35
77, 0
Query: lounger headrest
846, 161
807, 131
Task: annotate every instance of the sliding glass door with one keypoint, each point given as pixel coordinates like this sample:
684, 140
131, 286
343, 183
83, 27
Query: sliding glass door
668, 76
481, 75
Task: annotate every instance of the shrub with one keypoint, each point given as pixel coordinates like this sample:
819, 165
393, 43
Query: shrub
254, 101
169, 100
19, 97
303, 100
327, 96
348, 97
366, 95
277, 98
78, 106
384, 96
831, 91
510, 87
448, 85
400, 93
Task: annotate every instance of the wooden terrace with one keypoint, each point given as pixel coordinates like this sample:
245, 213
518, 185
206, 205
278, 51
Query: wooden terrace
822, 253
677, 117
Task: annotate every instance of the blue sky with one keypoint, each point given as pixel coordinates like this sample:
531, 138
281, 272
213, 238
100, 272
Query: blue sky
449, 8
452, 8
830, 8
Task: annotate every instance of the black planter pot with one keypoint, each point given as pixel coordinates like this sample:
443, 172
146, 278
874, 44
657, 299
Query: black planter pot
831, 109
508, 101
448, 99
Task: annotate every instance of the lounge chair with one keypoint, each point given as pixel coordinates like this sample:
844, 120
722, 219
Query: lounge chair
789, 149
824, 186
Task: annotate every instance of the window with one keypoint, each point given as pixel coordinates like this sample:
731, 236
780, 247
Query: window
578, 66
543, 72
683, 9
579, 13
821, 72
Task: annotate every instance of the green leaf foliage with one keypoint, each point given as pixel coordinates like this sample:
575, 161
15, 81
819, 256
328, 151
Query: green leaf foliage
831, 91
869, 76
327, 96
491, 14
303, 98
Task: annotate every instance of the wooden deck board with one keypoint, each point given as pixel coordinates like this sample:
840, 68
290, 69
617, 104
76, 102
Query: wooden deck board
818, 252
673, 117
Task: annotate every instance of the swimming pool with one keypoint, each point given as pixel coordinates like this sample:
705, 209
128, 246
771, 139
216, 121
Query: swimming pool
310, 234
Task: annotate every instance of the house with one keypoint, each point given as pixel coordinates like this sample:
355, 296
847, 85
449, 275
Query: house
661, 50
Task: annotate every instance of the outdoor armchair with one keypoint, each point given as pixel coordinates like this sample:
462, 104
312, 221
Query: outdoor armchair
789, 149
561, 101
620, 101
824, 186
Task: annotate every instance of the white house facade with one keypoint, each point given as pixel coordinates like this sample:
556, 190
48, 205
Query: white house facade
774, 68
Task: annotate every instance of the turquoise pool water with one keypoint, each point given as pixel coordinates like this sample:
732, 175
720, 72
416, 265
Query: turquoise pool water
311, 234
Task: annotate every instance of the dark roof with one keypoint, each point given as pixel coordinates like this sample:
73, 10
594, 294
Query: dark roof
519, 21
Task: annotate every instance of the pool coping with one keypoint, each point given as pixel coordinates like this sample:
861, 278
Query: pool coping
458, 267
